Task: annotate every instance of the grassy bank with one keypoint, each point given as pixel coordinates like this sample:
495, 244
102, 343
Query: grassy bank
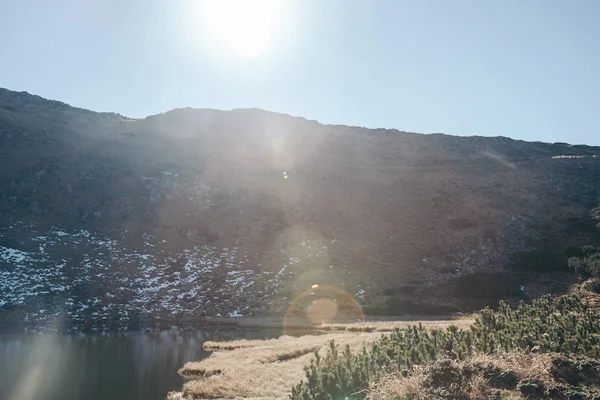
565, 325
510, 376
381, 324
267, 369
546, 349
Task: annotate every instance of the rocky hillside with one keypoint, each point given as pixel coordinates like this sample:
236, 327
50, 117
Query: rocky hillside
196, 213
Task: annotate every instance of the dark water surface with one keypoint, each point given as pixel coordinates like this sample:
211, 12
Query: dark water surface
128, 366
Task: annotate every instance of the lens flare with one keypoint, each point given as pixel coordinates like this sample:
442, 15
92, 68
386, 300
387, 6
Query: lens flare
320, 305
322, 310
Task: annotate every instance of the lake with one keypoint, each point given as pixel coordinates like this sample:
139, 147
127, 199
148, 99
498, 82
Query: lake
101, 366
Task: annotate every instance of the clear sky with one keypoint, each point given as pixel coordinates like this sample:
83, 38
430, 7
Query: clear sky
527, 69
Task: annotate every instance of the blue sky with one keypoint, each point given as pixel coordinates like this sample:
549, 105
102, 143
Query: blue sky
524, 69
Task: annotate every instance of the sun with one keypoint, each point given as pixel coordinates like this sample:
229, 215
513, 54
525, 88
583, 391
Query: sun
242, 26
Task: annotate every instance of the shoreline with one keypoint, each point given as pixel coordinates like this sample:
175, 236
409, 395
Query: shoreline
233, 323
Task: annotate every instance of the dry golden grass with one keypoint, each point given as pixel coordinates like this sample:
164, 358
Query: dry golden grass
259, 369
395, 386
267, 369
296, 324
388, 326
523, 364
284, 348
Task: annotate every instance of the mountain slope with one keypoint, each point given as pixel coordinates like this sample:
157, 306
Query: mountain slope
404, 222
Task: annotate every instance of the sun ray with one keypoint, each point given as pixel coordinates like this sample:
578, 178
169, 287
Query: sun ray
242, 26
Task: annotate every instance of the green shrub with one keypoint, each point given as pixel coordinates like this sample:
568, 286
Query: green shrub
588, 265
565, 325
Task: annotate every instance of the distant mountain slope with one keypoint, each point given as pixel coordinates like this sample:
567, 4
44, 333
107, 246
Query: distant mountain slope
405, 222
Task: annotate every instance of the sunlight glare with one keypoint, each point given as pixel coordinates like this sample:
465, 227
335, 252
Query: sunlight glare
243, 26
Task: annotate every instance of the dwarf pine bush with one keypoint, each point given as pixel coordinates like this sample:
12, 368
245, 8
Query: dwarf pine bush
593, 285
564, 325
588, 265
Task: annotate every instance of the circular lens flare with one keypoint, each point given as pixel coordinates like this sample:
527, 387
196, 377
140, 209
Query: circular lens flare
322, 310
320, 305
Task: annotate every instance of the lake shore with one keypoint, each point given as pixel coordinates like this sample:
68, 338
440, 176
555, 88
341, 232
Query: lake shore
267, 369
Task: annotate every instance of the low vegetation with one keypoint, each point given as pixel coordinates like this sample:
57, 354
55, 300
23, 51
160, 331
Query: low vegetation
563, 325
588, 263
258, 369
546, 349
592, 285
390, 326
267, 369
505, 376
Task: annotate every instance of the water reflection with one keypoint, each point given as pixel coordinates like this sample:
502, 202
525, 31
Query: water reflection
102, 366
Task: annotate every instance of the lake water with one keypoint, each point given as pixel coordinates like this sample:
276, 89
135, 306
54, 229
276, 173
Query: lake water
128, 366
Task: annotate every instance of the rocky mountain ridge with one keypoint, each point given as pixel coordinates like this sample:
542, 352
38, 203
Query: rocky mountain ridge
172, 216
